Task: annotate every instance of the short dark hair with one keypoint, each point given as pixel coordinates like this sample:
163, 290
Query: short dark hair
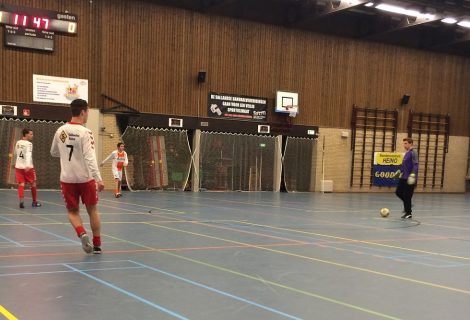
409, 140
26, 131
77, 106
119, 144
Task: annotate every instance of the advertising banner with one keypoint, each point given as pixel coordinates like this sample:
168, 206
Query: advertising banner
58, 90
230, 106
386, 169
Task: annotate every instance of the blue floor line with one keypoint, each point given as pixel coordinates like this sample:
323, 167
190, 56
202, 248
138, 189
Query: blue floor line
217, 291
40, 230
11, 241
63, 271
127, 293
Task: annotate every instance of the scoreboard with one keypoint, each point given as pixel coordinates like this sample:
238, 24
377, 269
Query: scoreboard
34, 28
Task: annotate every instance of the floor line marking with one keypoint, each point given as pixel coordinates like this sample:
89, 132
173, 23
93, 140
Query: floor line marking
127, 293
11, 241
7, 313
153, 249
224, 293
264, 281
358, 241
63, 271
430, 284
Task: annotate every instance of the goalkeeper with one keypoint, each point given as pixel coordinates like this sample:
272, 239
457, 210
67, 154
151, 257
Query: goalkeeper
119, 158
407, 182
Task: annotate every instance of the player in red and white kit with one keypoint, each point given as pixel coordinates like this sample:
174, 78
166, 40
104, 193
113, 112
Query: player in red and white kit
24, 168
79, 176
120, 161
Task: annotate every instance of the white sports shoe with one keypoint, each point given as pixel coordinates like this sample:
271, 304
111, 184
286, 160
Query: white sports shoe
86, 245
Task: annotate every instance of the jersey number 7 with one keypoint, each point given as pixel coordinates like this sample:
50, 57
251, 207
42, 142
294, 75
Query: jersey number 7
71, 150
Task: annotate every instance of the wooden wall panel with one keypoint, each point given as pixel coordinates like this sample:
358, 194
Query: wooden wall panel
148, 56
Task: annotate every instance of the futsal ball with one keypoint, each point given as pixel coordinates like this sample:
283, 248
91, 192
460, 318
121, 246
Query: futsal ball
384, 212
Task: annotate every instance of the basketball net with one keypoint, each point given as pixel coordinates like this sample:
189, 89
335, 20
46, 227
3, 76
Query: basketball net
292, 113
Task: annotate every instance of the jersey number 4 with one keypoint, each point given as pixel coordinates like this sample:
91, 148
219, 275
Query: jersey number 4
71, 150
21, 154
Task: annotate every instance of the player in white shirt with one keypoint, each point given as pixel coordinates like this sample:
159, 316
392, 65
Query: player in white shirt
120, 161
24, 168
79, 176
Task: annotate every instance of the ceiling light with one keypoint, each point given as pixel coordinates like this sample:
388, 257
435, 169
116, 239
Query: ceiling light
399, 10
449, 20
464, 23
369, 4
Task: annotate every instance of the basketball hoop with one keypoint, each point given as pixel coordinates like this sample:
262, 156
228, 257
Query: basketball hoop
292, 109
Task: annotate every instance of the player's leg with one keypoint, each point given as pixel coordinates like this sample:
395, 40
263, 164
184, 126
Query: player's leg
34, 192
95, 223
399, 190
116, 182
71, 194
116, 188
407, 193
20, 179
90, 199
119, 183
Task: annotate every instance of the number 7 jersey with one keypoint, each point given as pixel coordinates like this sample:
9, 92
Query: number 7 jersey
75, 146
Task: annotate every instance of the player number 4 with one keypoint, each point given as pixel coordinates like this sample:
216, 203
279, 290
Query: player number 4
71, 150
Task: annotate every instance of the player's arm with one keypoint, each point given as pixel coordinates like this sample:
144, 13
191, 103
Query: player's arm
126, 160
414, 158
90, 156
28, 156
16, 148
111, 155
55, 147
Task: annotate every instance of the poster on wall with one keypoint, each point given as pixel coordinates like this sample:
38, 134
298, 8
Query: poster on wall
231, 106
386, 169
58, 90
6, 110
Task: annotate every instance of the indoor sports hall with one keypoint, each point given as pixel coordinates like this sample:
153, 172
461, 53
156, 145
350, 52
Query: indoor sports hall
261, 159
239, 255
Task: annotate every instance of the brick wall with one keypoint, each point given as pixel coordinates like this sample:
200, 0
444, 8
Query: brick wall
109, 139
336, 166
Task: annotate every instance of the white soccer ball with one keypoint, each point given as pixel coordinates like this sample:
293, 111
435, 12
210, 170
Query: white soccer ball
384, 212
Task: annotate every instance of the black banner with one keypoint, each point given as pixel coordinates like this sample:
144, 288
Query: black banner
230, 106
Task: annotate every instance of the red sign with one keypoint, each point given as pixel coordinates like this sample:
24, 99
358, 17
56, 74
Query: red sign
26, 112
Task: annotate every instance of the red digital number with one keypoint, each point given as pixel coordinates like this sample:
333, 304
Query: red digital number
37, 22
20, 20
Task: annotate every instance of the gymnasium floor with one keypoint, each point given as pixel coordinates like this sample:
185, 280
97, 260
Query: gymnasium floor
239, 255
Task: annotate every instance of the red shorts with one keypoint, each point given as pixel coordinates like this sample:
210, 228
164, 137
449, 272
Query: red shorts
73, 191
23, 176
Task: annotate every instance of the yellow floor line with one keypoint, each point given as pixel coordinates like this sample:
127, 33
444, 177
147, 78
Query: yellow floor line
7, 314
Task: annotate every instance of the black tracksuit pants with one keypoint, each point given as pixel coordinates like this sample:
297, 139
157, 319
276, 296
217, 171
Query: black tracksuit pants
405, 193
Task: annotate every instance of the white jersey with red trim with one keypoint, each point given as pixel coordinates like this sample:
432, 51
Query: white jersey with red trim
24, 154
75, 146
119, 160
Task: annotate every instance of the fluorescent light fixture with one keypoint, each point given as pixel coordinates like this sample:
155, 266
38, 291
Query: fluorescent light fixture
407, 12
449, 20
369, 4
399, 10
464, 23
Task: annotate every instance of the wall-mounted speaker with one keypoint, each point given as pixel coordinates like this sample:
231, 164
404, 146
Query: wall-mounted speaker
201, 76
405, 99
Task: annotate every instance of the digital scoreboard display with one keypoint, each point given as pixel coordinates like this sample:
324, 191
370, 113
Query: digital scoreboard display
34, 28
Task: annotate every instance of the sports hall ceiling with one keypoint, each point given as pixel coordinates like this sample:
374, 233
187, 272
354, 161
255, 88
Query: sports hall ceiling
419, 27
